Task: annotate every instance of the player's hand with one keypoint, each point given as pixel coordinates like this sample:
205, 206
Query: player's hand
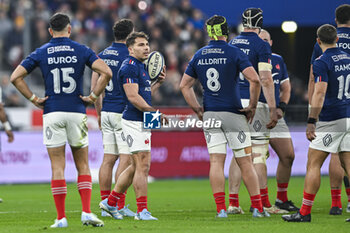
164, 120
279, 113
40, 102
273, 119
161, 77
310, 132
249, 113
87, 100
199, 113
10, 136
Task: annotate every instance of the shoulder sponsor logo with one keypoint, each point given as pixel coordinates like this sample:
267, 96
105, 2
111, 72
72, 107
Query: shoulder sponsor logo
61, 48
111, 52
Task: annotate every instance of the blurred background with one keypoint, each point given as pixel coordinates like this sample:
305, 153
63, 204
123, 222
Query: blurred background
176, 29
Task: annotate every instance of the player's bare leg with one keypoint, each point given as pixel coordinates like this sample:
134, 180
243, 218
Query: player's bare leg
347, 189
249, 175
234, 183
142, 162
259, 161
124, 163
125, 179
58, 162
345, 162
315, 161
250, 178
217, 182
285, 151
336, 174
105, 174
58, 182
123, 182
312, 183
81, 160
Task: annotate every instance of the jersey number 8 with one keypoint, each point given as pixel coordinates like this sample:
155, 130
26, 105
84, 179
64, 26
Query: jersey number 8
213, 80
65, 78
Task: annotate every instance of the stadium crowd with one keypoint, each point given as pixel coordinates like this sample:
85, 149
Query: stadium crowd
175, 27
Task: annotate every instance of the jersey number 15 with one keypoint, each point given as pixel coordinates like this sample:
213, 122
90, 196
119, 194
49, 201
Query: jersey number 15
65, 78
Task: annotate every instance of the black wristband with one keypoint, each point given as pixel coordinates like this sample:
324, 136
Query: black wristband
282, 106
311, 120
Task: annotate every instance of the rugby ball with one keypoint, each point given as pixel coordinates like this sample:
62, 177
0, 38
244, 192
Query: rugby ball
154, 64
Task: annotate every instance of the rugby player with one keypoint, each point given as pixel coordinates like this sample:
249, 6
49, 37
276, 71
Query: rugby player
259, 53
336, 173
136, 87
328, 126
62, 63
217, 66
110, 114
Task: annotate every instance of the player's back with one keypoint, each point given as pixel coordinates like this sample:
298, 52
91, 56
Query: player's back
217, 66
257, 50
333, 66
62, 63
113, 56
343, 43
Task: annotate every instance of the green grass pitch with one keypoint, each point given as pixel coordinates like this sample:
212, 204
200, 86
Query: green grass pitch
180, 205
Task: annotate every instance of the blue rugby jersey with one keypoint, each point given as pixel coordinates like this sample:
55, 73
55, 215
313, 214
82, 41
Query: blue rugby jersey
113, 56
217, 66
62, 63
333, 67
257, 50
279, 75
133, 71
343, 43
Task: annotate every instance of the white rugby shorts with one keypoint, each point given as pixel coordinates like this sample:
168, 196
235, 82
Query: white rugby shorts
137, 138
259, 133
60, 127
332, 136
281, 130
234, 131
112, 134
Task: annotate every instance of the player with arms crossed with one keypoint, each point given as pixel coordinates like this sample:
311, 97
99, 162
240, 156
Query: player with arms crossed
217, 66
259, 53
110, 114
336, 173
62, 63
136, 87
280, 140
330, 106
